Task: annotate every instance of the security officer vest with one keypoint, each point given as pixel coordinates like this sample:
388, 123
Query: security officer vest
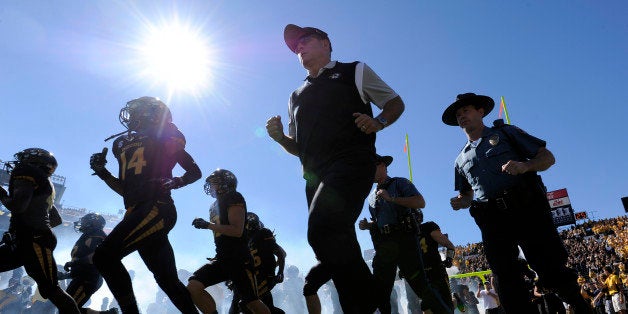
323, 115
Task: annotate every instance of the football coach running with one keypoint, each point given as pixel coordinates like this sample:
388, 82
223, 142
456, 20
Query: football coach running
331, 129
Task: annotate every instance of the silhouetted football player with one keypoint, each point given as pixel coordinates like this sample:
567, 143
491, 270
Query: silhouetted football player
33, 215
233, 260
86, 279
267, 255
146, 155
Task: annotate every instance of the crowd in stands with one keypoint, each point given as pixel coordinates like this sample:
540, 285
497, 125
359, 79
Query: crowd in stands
591, 246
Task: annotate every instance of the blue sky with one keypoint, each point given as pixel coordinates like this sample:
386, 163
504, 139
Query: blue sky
67, 67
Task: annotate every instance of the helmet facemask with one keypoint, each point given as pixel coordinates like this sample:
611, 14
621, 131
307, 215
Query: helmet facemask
253, 223
90, 222
220, 182
145, 114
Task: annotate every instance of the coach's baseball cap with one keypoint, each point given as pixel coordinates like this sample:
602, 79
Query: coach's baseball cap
292, 33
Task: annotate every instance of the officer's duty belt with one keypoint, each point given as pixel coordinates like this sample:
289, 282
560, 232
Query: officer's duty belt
404, 226
508, 198
390, 228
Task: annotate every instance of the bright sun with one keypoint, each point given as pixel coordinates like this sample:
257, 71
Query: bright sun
177, 56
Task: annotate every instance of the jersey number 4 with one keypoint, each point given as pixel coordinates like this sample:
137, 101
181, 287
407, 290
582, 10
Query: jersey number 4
136, 163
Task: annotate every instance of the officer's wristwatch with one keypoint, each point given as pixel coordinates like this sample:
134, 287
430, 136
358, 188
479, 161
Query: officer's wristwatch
382, 120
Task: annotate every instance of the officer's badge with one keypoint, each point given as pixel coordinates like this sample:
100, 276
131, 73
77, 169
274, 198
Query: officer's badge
494, 139
334, 76
120, 144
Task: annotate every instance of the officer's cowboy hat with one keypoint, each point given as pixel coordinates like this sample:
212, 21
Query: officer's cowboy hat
387, 160
449, 116
292, 33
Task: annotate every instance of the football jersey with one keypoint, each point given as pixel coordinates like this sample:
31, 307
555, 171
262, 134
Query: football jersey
36, 215
226, 246
145, 159
262, 244
429, 247
83, 247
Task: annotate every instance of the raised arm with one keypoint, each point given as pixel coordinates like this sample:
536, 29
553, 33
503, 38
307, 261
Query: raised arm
97, 162
274, 127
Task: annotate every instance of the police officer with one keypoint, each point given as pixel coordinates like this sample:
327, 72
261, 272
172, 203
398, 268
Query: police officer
498, 167
331, 128
394, 230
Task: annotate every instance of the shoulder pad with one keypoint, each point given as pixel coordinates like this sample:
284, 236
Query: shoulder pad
429, 226
25, 170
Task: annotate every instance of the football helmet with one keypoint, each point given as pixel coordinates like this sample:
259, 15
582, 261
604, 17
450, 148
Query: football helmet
220, 182
253, 223
37, 157
145, 113
90, 222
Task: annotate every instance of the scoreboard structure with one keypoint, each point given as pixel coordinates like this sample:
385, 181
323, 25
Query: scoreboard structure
561, 210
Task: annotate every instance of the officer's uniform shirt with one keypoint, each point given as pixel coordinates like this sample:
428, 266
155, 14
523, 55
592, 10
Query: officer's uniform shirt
36, 216
479, 164
388, 213
229, 247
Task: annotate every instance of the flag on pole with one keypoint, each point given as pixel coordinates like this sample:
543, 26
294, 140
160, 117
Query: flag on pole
406, 149
503, 106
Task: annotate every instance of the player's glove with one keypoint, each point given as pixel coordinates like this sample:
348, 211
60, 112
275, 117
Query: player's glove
279, 278
8, 239
449, 258
68, 266
98, 161
63, 276
448, 262
167, 184
200, 223
229, 284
